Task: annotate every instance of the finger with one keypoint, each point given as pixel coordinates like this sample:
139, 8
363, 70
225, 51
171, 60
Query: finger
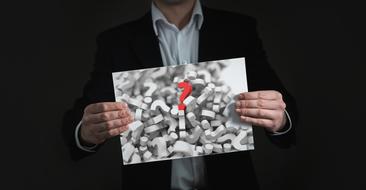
108, 125
267, 95
114, 132
105, 107
127, 120
261, 103
115, 123
258, 113
107, 116
266, 123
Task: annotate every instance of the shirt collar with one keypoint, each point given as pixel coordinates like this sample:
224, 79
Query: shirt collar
157, 15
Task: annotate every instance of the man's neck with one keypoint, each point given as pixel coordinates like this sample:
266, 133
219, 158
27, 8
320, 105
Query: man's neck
177, 14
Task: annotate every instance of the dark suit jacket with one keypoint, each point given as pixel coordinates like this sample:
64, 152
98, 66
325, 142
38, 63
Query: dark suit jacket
134, 45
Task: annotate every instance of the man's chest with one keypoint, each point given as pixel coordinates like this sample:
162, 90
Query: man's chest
153, 53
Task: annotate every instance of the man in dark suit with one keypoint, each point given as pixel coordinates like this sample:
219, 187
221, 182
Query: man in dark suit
178, 32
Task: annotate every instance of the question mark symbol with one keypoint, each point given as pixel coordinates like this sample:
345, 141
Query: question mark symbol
187, 89
151, 89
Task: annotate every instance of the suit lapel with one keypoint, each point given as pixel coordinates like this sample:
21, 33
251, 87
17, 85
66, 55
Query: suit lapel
146, 44
215, 44
203, 51
207, 37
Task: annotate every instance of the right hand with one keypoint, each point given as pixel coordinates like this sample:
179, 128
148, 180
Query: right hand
102, 121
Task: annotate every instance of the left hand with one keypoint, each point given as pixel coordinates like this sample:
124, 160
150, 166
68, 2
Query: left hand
262, 108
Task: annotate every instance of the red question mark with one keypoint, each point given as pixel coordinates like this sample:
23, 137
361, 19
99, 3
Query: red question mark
187, 89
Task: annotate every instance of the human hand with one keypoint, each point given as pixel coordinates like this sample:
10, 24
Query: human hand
102, 121
262, 108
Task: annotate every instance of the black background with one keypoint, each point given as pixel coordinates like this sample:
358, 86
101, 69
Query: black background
315, 46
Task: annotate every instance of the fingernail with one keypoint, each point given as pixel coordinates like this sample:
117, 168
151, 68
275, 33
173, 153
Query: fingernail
122, 129
237, 104
237, 110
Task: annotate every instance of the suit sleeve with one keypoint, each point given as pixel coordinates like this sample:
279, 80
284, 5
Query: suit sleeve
261, 76
99, 88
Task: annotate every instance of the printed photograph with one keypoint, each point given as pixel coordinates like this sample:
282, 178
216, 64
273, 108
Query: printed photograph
183, 111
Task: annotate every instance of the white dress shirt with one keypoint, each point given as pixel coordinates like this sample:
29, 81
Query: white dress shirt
180, 46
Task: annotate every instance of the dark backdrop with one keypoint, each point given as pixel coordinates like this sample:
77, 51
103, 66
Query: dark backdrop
315, 46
